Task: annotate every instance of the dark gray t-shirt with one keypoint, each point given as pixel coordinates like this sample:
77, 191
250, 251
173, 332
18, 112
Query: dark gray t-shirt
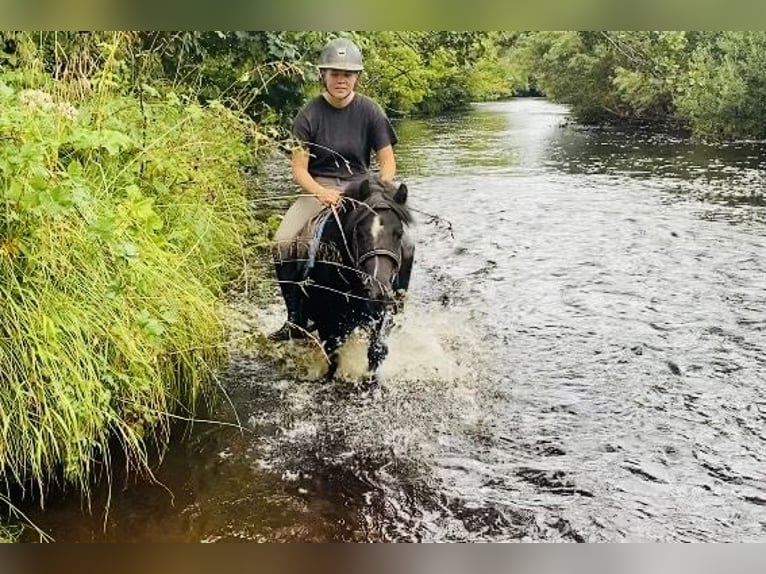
340, 141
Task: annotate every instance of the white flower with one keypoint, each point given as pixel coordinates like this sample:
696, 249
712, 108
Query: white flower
43, 101
37, 100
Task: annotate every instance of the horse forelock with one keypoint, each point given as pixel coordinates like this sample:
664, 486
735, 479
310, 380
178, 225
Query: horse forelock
377, 201
381, 197
385, 200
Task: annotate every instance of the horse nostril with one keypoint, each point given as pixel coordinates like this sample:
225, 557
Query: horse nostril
386, 293
380, 292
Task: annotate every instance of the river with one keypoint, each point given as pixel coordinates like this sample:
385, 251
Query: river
581, 359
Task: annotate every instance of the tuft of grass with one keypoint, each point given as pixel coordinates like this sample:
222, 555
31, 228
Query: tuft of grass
122, 219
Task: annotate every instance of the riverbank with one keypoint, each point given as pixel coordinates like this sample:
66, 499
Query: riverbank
124, 220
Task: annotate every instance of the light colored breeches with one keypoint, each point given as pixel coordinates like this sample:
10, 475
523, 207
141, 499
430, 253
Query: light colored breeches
305, 208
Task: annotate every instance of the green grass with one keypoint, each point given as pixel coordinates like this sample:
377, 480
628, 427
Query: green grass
121, 221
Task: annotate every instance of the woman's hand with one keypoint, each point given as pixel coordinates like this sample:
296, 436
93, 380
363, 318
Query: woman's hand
329, 196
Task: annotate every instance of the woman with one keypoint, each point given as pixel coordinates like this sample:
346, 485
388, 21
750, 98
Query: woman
338, 132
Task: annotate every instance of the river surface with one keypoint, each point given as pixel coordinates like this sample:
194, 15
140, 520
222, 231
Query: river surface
581, 359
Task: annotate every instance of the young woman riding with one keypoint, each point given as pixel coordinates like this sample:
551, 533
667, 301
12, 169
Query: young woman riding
337, 132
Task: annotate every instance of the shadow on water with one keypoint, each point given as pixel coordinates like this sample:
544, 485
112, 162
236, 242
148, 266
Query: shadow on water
580, 360
725, 173
314, 462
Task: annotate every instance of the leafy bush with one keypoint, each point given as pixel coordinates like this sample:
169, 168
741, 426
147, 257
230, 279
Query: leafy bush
121, 221
711, 83
724, 92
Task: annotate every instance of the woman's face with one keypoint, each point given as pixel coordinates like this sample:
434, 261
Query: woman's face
340, 83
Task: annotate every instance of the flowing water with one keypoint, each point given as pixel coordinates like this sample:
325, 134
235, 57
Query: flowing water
581, 359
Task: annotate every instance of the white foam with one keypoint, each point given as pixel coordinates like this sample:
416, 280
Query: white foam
427, 342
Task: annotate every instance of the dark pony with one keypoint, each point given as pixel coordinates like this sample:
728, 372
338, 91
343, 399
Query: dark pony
361, 268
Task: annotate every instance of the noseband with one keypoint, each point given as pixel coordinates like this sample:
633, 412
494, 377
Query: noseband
377, 252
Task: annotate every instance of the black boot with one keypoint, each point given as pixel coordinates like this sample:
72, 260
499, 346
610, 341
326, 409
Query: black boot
295, 327
287, 332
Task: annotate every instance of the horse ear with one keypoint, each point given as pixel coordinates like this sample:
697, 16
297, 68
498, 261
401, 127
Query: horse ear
364, 190
400, 196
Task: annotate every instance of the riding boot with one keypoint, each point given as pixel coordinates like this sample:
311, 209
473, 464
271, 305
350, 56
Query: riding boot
295, 327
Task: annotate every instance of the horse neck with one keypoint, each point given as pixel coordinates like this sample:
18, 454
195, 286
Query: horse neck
339, 234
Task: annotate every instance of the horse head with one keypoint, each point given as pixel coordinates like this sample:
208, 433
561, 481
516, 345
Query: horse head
375, 227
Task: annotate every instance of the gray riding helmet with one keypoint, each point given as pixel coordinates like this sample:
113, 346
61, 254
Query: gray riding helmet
341, 54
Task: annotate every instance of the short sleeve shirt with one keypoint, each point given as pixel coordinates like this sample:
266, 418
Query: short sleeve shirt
340, 141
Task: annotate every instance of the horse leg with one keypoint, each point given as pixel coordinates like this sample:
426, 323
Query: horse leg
378, 349
375, 355
402, 281
331, 347
288, 274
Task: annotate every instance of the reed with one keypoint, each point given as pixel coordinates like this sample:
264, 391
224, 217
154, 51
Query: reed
122, 218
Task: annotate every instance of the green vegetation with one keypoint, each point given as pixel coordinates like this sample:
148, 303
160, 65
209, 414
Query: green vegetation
434, 72
123, 217
110, 262
710, 84
123, 208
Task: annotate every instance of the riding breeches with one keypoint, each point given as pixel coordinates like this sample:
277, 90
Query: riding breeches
305, 208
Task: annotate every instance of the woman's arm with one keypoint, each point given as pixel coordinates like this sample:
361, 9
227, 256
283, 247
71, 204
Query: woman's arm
387, 162
303, 178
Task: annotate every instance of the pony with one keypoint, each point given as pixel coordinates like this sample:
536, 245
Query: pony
357, 269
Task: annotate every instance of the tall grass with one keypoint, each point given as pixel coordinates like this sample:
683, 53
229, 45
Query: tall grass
121, 219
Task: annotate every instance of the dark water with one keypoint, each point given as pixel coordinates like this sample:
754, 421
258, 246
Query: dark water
581, 360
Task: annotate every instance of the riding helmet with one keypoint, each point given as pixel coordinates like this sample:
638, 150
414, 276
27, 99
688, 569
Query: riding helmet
341, 54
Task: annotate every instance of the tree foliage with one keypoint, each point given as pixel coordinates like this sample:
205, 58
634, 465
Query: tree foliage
723, 92
710, 83
269, 74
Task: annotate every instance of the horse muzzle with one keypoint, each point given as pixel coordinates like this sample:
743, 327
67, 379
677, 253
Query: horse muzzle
380, 293
380, 267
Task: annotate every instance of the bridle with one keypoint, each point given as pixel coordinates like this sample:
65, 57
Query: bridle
380, 252
377, 253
